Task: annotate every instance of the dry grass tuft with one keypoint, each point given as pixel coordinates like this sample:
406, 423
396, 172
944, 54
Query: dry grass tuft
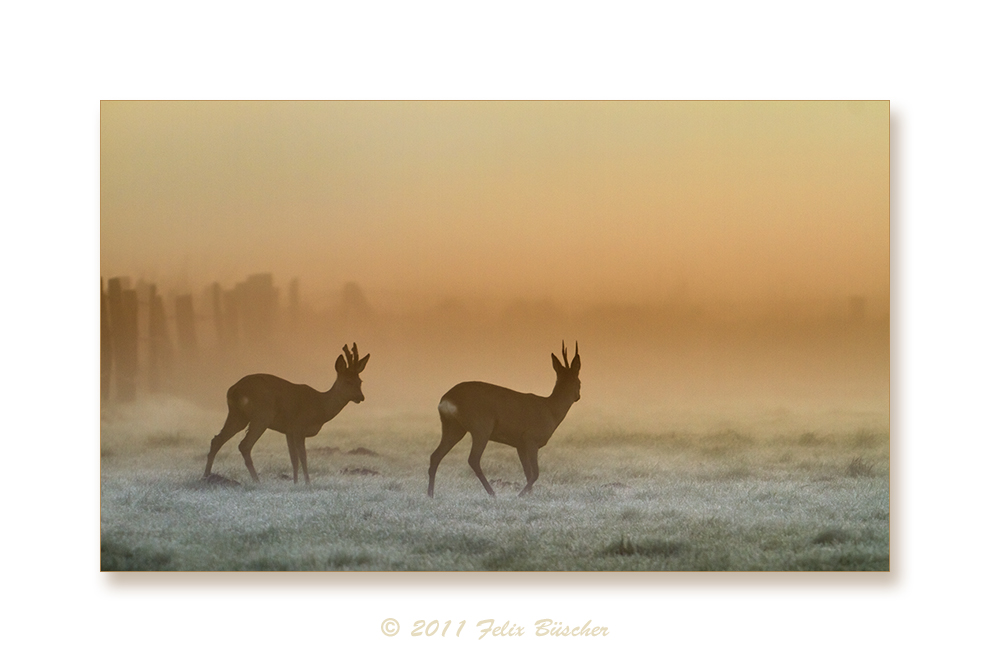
859, 467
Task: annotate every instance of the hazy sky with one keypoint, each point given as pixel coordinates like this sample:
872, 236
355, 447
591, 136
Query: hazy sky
626, 201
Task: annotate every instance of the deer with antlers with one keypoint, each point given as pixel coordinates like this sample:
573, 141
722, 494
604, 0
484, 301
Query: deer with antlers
492, 413
262, 401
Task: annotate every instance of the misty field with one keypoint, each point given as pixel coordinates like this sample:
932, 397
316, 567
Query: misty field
770, 491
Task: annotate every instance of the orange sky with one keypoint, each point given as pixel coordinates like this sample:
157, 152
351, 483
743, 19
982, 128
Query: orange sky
417, 201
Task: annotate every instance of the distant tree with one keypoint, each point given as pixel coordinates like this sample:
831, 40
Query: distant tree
355, 303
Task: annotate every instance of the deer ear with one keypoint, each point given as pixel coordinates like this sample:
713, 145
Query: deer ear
576, 364
557, 366
363, 363
340, 364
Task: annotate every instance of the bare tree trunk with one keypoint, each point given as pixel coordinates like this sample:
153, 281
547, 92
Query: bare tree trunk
124, 328
186, 326
106, 346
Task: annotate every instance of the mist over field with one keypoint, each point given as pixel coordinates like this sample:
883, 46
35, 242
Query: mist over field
701, 441
639, 356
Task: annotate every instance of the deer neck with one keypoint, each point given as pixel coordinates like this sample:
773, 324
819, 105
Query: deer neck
559, 402
333, 401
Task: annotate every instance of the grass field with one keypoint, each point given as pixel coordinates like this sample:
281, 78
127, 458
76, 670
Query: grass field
771, 491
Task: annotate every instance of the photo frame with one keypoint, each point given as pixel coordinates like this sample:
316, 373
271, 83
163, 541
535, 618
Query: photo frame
724, 266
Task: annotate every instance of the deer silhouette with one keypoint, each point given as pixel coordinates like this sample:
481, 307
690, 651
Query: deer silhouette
492, 413
262, 401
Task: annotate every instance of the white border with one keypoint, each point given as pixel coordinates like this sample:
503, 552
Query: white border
59, 62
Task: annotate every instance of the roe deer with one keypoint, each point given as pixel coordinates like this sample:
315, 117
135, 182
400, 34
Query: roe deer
492, 413
262, 401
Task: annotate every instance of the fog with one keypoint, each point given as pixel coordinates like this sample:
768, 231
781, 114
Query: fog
707, 437
710, 258
663, 360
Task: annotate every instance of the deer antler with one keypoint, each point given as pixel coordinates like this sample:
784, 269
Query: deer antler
575, 349
564, 349
354, 350
349, 356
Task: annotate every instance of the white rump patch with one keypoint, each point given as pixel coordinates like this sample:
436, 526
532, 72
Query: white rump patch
447, 407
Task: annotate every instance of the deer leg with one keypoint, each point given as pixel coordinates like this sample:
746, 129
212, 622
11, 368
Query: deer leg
478, 443
255, 430
529, 457
233, 424
524, 459
294, 456
301, 451
452, 433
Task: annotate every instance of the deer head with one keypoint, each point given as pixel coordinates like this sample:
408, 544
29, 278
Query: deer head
348, 380
567, 374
